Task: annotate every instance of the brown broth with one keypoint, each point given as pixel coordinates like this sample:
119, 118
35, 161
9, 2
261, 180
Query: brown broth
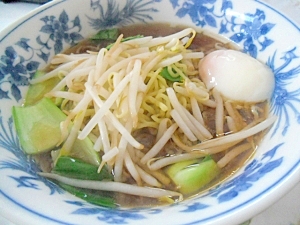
201, 42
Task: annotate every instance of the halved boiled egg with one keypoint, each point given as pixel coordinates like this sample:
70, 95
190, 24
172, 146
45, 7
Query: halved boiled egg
237, 76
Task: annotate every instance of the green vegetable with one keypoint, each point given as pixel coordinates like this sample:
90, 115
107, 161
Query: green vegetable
126, 39
84, 150
109, 35
38, 129
78, 169
38, 126
37, 91
90, 197
190, 176
132, 37
165, 73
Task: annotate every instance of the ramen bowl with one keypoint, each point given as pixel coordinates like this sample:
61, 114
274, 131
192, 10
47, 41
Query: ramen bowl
258, 29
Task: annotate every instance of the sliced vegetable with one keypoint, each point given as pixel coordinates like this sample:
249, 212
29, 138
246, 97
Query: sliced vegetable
76, 168
165, 73
84, 150
38, 126
111, 35
89, 196
38, 129
132, 37
37, 91
108, 34
190, 176
126, 39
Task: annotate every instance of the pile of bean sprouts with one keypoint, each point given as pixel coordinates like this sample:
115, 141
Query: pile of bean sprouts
111, 93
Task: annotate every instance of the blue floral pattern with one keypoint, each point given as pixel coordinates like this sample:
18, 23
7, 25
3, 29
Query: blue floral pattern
252, 173
111, 216
252, 30
14, 70
58, 31
134, 10
20, 60
202, 12
18, 70
107, 215
282, 99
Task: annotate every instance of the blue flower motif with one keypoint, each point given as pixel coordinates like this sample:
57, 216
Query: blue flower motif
120, 216
12, 66
111, 216
112, 15
115, 216
253, 172
282, 99
195, 207
76, 203
17, 70
201, 12
25, 181
253, 30
58, 31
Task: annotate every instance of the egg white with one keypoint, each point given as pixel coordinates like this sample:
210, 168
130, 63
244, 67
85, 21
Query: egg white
237, 76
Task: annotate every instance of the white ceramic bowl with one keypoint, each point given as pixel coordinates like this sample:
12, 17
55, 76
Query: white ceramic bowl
263, 32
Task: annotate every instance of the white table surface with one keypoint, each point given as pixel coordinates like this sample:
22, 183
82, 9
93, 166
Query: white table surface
284, 212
